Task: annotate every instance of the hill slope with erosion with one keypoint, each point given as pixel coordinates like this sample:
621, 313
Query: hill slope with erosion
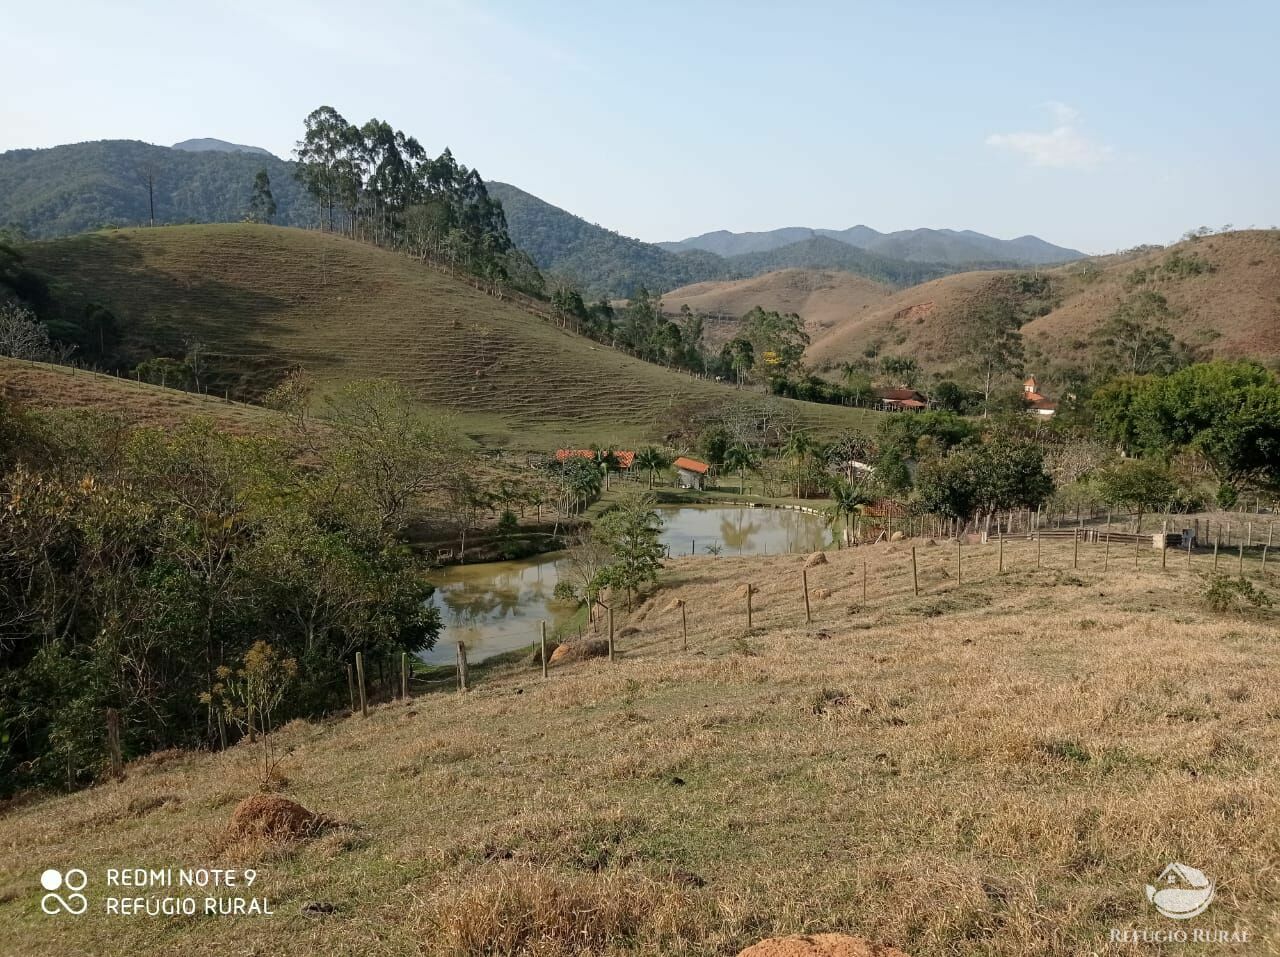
995, 767
1223, 294
823, 298
264, 299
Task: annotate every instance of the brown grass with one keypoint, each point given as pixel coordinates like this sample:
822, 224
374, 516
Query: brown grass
61, 387
264, 299
824, 298
995, 768
1232, 311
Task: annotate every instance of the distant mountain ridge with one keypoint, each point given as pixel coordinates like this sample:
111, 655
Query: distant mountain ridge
606, 263
210, 145
946, 246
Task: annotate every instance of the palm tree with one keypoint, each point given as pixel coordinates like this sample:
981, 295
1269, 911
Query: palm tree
847, 499
741, 459
798, 447
652, 459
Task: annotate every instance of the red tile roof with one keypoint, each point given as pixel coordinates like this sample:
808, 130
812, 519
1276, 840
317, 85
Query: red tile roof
624, 458
691, 465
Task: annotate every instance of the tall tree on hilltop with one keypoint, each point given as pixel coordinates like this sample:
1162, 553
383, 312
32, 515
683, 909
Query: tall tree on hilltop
262, 204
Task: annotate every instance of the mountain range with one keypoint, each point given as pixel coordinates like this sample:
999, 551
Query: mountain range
70, 189
947, 246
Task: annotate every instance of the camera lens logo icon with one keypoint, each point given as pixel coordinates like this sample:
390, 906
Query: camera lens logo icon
73, 881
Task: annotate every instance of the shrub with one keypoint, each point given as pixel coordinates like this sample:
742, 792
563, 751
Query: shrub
1223, 593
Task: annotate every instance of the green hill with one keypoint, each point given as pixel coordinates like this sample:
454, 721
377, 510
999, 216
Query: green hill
82, 186
601, 261
263, 299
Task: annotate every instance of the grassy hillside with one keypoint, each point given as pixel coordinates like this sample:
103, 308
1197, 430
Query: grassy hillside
1231, 308
992, 768
44, 386
822, 298
264, 299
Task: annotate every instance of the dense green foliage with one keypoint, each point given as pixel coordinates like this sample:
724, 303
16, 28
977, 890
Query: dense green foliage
1227, 412
137, 564
70, 189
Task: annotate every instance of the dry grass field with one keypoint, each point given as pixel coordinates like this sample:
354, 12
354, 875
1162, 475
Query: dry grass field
1231, 311
264, 299
824, 298
995, 767
43, 386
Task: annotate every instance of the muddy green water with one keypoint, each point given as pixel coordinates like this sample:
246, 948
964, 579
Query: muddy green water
496, 606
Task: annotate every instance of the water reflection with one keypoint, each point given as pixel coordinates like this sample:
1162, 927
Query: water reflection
496, 606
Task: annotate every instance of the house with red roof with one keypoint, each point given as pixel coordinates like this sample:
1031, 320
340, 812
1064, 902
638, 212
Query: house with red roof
902, 400
1037, 404
623, 459
690, 473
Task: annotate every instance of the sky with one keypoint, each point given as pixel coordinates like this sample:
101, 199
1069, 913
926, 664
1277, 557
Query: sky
1093, 125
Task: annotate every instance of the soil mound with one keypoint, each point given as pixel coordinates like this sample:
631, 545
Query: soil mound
580, 650
820, 945
272, 816
817, 558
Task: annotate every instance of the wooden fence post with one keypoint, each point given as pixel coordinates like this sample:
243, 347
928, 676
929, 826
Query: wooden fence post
804, 581
1215, 556
684, 626
542, 639
750, 591
1001, 550
404, 676
1262, 572
1106, 553
113, 743
462, 666
915, 576
611, 632
957, 561
351, 687
1075, 549
364, 697
864, 582
1242, 559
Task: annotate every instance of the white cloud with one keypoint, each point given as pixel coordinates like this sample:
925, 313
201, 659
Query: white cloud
1063, 147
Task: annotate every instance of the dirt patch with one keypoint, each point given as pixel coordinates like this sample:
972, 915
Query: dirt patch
820, 945
275, 817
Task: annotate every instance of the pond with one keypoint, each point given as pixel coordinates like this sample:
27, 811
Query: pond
496, 606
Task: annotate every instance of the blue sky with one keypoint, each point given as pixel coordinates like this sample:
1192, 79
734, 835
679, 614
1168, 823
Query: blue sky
1094, 125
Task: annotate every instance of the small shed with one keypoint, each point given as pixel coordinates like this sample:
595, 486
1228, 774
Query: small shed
690, 473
